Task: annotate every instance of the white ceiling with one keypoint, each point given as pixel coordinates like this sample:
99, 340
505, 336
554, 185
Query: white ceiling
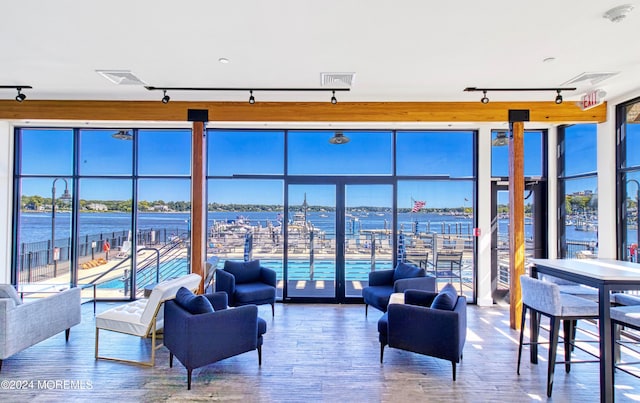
402, 50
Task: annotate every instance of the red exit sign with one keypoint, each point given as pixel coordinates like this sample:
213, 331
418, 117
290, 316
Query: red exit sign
590, 99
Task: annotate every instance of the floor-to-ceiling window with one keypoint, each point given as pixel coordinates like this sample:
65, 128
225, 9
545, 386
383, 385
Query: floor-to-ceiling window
322, 207
325, 208
435, 199
577, 191
75, 220
628, 118
245, 171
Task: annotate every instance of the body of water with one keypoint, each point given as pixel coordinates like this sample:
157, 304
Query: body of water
36, 227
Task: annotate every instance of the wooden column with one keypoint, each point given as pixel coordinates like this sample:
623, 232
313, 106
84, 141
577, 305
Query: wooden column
516, 218
198, 196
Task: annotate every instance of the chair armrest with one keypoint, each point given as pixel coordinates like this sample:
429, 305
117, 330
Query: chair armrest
381, 277
427, 283
219, 300
225, 281
268, 276
419, 297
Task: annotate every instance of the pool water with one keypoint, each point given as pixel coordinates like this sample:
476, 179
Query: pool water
356, 270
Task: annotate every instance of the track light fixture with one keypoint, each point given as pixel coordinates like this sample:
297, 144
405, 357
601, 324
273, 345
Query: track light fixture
166, 98
558, 98
485, 100
20, 97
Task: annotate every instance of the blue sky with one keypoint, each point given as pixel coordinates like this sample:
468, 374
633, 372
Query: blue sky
166, 153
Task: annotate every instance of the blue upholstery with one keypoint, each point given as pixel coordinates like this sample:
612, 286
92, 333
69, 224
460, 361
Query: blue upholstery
383, 283
404, 270
423, 330
244, 272
247, 283
194, 304
198, 340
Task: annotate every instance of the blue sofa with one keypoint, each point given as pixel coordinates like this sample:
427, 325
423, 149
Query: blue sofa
429, 323
247, 283
200, 337
403, 277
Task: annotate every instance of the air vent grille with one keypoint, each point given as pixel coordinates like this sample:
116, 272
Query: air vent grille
590, 78
121, 77
337, 79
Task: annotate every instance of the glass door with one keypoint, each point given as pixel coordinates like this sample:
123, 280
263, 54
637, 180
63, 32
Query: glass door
310, 270
337, 233
535, 238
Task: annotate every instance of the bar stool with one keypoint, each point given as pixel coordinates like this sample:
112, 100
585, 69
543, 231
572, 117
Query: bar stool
544, 298
627, 316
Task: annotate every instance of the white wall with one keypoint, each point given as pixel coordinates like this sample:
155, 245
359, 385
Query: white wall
483, 264
6, 172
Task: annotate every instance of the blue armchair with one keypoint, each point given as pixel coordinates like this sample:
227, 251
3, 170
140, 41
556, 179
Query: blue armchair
428, 323
385, 282
247, 283
198, 337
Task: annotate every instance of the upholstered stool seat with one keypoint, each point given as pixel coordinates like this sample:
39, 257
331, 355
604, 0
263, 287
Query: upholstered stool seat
545, 298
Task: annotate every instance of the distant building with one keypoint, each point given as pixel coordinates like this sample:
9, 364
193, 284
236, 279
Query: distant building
96, 207
162, 207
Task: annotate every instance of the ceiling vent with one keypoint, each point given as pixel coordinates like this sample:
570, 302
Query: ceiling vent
337, 79
590, 78
121, 77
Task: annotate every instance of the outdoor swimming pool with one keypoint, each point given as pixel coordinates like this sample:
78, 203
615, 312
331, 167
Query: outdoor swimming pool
356, 270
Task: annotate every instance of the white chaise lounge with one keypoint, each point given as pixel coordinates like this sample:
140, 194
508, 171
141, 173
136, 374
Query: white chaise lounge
143, 317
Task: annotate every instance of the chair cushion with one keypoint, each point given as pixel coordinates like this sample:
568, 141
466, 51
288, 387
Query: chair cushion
377, 296
404, 270
253, 292
244, 272
7, 291
194, 304
443, 301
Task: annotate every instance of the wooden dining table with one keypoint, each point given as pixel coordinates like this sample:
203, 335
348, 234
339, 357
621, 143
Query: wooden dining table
606, 275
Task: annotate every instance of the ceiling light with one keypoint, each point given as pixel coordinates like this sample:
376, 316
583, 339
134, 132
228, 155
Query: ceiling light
484, 98
122, 135
223, 60
619, 13
20, 97
501, 139
334, 100
339, 138
558, 98
252, 100
166, 98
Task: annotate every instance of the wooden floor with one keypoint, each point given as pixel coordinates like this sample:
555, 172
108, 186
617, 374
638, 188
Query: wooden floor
311, 353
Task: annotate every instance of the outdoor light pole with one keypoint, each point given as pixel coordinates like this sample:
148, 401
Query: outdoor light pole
637, 213
65, 196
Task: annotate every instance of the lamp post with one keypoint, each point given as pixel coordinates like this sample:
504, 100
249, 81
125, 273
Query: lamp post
637, 213
65, 196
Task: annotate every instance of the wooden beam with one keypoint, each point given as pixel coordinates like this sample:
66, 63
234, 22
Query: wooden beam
543, 112
516, 222
198, 203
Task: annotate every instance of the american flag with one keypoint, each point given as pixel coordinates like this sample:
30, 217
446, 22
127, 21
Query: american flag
417, 206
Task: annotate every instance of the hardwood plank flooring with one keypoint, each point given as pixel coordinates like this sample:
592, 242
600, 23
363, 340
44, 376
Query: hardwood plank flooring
311, 353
